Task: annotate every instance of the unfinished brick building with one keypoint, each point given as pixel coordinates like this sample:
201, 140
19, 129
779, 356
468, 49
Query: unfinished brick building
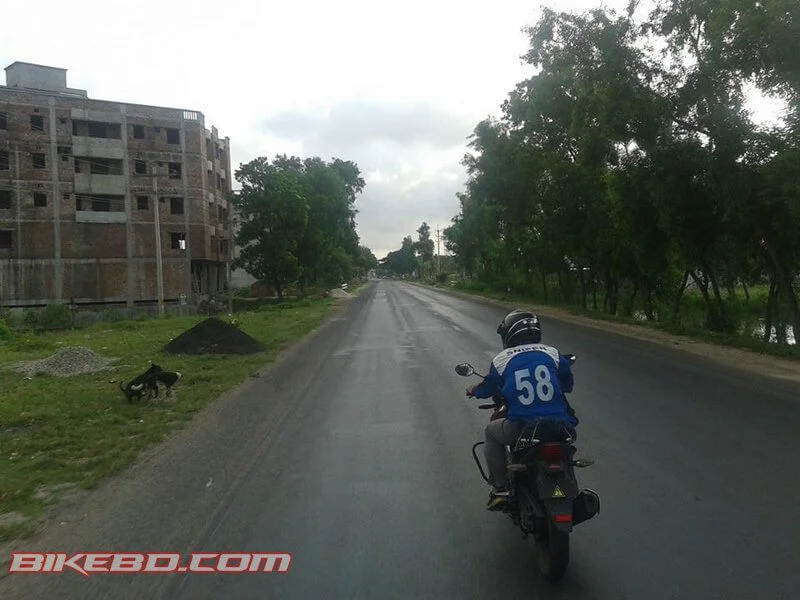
80, 181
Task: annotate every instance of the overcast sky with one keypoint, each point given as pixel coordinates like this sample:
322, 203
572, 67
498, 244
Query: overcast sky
396, 88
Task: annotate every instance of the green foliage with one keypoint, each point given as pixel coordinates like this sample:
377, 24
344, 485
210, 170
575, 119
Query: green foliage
55, 316
5, 332
30, 318
626, 179
298, 222
113, 315
404, 260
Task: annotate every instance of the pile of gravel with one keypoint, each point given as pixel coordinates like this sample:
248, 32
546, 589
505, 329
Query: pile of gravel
339, 293
214, 336
67, 362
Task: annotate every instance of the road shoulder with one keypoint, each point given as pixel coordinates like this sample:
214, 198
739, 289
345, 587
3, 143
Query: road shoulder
744, 360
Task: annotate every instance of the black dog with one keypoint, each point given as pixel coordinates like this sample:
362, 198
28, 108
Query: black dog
136, 387
166, 378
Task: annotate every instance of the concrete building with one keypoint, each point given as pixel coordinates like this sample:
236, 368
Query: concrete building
89, 190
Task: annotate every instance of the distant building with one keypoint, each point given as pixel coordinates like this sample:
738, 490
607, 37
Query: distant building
80, 181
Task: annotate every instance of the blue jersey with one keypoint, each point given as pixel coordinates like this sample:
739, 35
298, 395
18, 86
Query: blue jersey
533, 379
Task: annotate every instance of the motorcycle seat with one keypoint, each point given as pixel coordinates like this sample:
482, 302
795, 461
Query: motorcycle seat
545, 430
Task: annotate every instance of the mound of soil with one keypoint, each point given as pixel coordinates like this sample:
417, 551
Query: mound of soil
213, 336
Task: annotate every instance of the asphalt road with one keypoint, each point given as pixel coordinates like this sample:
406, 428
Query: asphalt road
353, 454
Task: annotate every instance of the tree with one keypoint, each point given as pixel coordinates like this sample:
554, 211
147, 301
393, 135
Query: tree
424, 244
299, 221
402, 261
273, 210
628, 162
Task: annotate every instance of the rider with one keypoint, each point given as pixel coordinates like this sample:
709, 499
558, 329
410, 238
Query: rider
532, 379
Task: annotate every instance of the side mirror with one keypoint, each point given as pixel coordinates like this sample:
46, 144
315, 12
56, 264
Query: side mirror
464, 369
571, 358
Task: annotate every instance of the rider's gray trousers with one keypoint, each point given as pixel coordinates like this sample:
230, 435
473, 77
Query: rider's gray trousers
499, 434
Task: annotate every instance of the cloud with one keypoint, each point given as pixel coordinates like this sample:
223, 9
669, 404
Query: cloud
408, 154
355, 124
394, 207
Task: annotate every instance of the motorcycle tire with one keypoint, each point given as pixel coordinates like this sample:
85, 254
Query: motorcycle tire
553, 553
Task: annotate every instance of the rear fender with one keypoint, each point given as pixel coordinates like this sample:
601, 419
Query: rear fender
559, 512
556, 486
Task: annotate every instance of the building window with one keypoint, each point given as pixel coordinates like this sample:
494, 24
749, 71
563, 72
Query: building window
138, 132
101, 205
223, 247
3, 120
5, 199
39, 200
62, 120
67, 197
38, 160
37, 123
140, 167
97, 129
219, 181
173, 136
6, 242
4, 163
177, 241
174, 170
105, 166
142, 202
176, 206
64, 150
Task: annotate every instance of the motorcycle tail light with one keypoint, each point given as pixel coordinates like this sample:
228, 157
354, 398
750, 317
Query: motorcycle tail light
563, 518
552, 451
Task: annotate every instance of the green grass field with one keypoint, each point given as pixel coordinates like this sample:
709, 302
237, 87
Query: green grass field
80, 429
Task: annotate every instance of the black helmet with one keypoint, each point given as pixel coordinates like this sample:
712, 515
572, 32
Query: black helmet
520, 327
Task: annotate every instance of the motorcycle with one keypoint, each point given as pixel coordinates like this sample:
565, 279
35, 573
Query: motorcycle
543, 498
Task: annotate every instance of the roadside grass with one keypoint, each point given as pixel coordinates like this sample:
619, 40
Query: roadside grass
690, 324
61, 432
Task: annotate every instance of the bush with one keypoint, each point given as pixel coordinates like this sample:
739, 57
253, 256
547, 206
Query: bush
30, 318
5, 332
55, 316
112, 315
85, 318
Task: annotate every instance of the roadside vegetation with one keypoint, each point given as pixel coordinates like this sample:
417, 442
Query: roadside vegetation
62, 432
628, 180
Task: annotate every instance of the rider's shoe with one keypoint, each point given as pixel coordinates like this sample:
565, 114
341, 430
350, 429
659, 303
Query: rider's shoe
498, 499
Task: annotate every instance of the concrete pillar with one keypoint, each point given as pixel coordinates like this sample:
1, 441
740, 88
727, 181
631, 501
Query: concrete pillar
130, 266
58, 282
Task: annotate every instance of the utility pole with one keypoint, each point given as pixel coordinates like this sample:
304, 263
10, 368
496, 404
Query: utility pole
438, 253
231, 236
157, 222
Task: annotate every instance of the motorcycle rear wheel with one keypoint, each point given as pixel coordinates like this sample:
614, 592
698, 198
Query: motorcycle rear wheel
553, 553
